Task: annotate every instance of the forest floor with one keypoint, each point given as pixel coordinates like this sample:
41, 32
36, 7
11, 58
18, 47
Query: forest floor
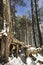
29, 61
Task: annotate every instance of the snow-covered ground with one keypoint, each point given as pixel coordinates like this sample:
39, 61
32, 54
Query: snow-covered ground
29, 61
38, 57
15, 61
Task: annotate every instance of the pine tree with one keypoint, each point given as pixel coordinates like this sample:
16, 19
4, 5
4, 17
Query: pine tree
38, 27
33, 20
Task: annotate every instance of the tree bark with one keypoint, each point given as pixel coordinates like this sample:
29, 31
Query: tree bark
9, 24
33, 20
39, 32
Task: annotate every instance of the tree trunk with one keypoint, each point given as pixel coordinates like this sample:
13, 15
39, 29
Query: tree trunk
39, 32
33, 20
9, 24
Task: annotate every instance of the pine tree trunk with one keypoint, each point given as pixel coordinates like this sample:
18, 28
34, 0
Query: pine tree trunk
33, 20
9, 23
39, 32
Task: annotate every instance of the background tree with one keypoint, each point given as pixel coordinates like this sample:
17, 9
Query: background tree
33, 20
39, 32
14, 4
22, 25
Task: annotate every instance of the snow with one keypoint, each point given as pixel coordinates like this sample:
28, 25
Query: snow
31, 48
0, 64
18, 61
38, 57
5, 34
37, 63
15, 61
28, 61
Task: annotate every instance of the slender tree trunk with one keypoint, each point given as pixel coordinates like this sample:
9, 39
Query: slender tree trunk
12, 17
39, 32
33, 20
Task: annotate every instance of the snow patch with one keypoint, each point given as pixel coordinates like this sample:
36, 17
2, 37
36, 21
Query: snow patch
28, 61
38, 57
15, 61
